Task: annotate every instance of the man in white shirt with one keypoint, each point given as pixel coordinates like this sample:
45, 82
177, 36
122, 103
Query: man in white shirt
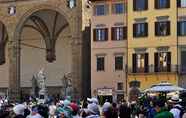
52, 110
177, 108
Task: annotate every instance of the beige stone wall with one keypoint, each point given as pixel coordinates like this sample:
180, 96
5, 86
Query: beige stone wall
109, 77
33, 59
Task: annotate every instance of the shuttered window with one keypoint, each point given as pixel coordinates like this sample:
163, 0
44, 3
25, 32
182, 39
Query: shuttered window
140, 29
134, 63
140, 63
119, 62
100, 34
181, 28
162, 28
162, 62
119, 33
139, 5
118, 8
101, 9
161, 4
183, 62
100, 63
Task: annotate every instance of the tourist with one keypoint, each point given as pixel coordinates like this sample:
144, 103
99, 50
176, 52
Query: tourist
162, 112
19, 111
92, 111
34, 113
75, 110
177, 109
107, 110
52, 110
151, 112
114, 110
124, 110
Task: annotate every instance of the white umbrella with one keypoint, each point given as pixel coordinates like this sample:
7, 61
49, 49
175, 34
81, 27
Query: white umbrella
164, 87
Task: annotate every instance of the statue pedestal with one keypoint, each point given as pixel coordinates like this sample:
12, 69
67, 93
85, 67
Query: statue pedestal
43, 96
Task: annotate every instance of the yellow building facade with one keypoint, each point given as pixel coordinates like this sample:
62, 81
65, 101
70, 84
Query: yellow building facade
152, 42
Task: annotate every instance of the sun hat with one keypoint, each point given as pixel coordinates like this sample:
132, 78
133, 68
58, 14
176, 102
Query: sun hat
106, 106
175, 99
93, 100
19, 109
93, 108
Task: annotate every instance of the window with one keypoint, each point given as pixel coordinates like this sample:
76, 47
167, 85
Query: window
118, 8
181, 28
120, 86
100, 10
140, 62
162, 28
118, 62
139, 5
161, 4
100, 63
71, 3
140, 29
162, 62
183, 62
181, 3
100, 34
119, 33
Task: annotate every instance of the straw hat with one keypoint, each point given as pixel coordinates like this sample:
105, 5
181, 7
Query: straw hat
175, 99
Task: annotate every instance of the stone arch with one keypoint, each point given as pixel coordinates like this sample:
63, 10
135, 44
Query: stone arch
50, 45
19, 29
3, 42
38, 8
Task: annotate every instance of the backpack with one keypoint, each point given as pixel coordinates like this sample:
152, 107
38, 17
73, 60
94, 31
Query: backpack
181, 110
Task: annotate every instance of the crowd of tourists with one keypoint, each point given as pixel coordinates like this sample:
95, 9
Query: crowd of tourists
90, 108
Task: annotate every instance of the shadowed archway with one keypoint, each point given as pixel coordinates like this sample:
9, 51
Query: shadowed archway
3, 42
45, 40
49, 24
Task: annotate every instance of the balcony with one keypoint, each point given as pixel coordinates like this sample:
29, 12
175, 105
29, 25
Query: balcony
151, 70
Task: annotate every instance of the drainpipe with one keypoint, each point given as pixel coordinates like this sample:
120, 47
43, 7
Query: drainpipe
126, 68
177, 44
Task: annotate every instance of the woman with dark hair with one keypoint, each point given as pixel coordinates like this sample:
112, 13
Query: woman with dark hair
114, 110
124, 111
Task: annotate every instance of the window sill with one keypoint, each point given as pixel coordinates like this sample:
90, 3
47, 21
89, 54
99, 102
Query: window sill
101, 15
100, 71
119, 13
100, 40
181, 35
164, 8
141, 37
119, 70
120, 40
162, 35
137, 11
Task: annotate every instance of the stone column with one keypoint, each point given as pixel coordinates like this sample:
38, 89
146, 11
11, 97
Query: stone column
77, 67
14, 67
76, 30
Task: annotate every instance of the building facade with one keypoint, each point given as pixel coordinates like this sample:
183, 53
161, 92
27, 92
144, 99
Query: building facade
108, 49
181, 32
156, 34
41, 34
